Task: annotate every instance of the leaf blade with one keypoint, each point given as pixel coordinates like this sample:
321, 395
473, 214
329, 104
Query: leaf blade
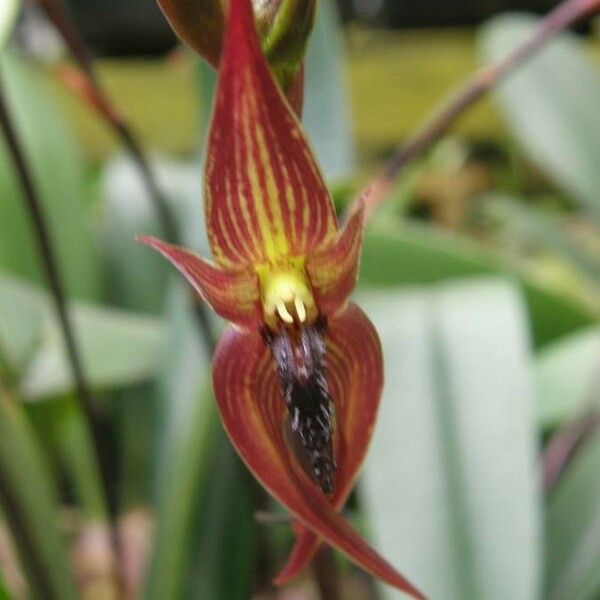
119, 348
8, 15
566, 376
58, 169
23, 469
456, 441
417, 255
550, 105
573, 522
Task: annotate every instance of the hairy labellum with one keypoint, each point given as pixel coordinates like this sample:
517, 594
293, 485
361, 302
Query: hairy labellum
299, 354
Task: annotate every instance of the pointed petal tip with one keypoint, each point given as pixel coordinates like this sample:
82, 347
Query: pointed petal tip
148, 240
333, 271
235, 295
394, 579
245, 383
282, 579
302, 554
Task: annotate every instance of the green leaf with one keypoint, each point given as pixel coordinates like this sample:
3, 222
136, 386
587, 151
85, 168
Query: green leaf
573, 530
179, 490
139, 276
73, 439
8, 14
187, 420
143, 280
186, 444
119, 348
138, 421
551, 106
451, 481
326, 115
21, 329
225, 556
567, 376
58, 168
416, 255
25, 478
4, 595
534, 226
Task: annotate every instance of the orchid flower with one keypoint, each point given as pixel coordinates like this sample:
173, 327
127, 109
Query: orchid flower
298, 374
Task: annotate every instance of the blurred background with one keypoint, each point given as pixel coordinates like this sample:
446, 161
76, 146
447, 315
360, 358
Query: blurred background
135, 27
481, 273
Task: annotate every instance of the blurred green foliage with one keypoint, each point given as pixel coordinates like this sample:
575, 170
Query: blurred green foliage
481, 273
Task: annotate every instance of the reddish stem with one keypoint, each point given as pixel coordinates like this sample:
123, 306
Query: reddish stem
476, 87
327, 574
564, 446
85, 83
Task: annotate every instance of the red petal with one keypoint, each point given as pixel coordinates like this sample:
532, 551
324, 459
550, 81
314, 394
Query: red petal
249, 397
235, 295
334, 270
304, 550
265, 196
357, 420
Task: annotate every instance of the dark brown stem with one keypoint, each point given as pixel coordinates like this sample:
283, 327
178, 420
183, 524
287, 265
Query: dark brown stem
42, 234
327, 574
566, 14
59, 15
87, 84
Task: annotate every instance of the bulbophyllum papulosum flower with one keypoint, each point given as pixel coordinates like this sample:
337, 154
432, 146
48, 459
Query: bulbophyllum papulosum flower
298, 374
283, 26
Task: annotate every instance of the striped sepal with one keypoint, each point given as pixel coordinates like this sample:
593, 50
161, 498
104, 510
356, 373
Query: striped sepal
235, 295
334, 270
249, 397
265, 196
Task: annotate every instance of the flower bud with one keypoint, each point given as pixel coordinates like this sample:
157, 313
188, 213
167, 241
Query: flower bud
284, 27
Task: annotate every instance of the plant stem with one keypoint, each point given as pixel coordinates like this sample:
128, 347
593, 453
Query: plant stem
327, 574
476, 87
59, 15
47, 254
30, 500
12, 507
